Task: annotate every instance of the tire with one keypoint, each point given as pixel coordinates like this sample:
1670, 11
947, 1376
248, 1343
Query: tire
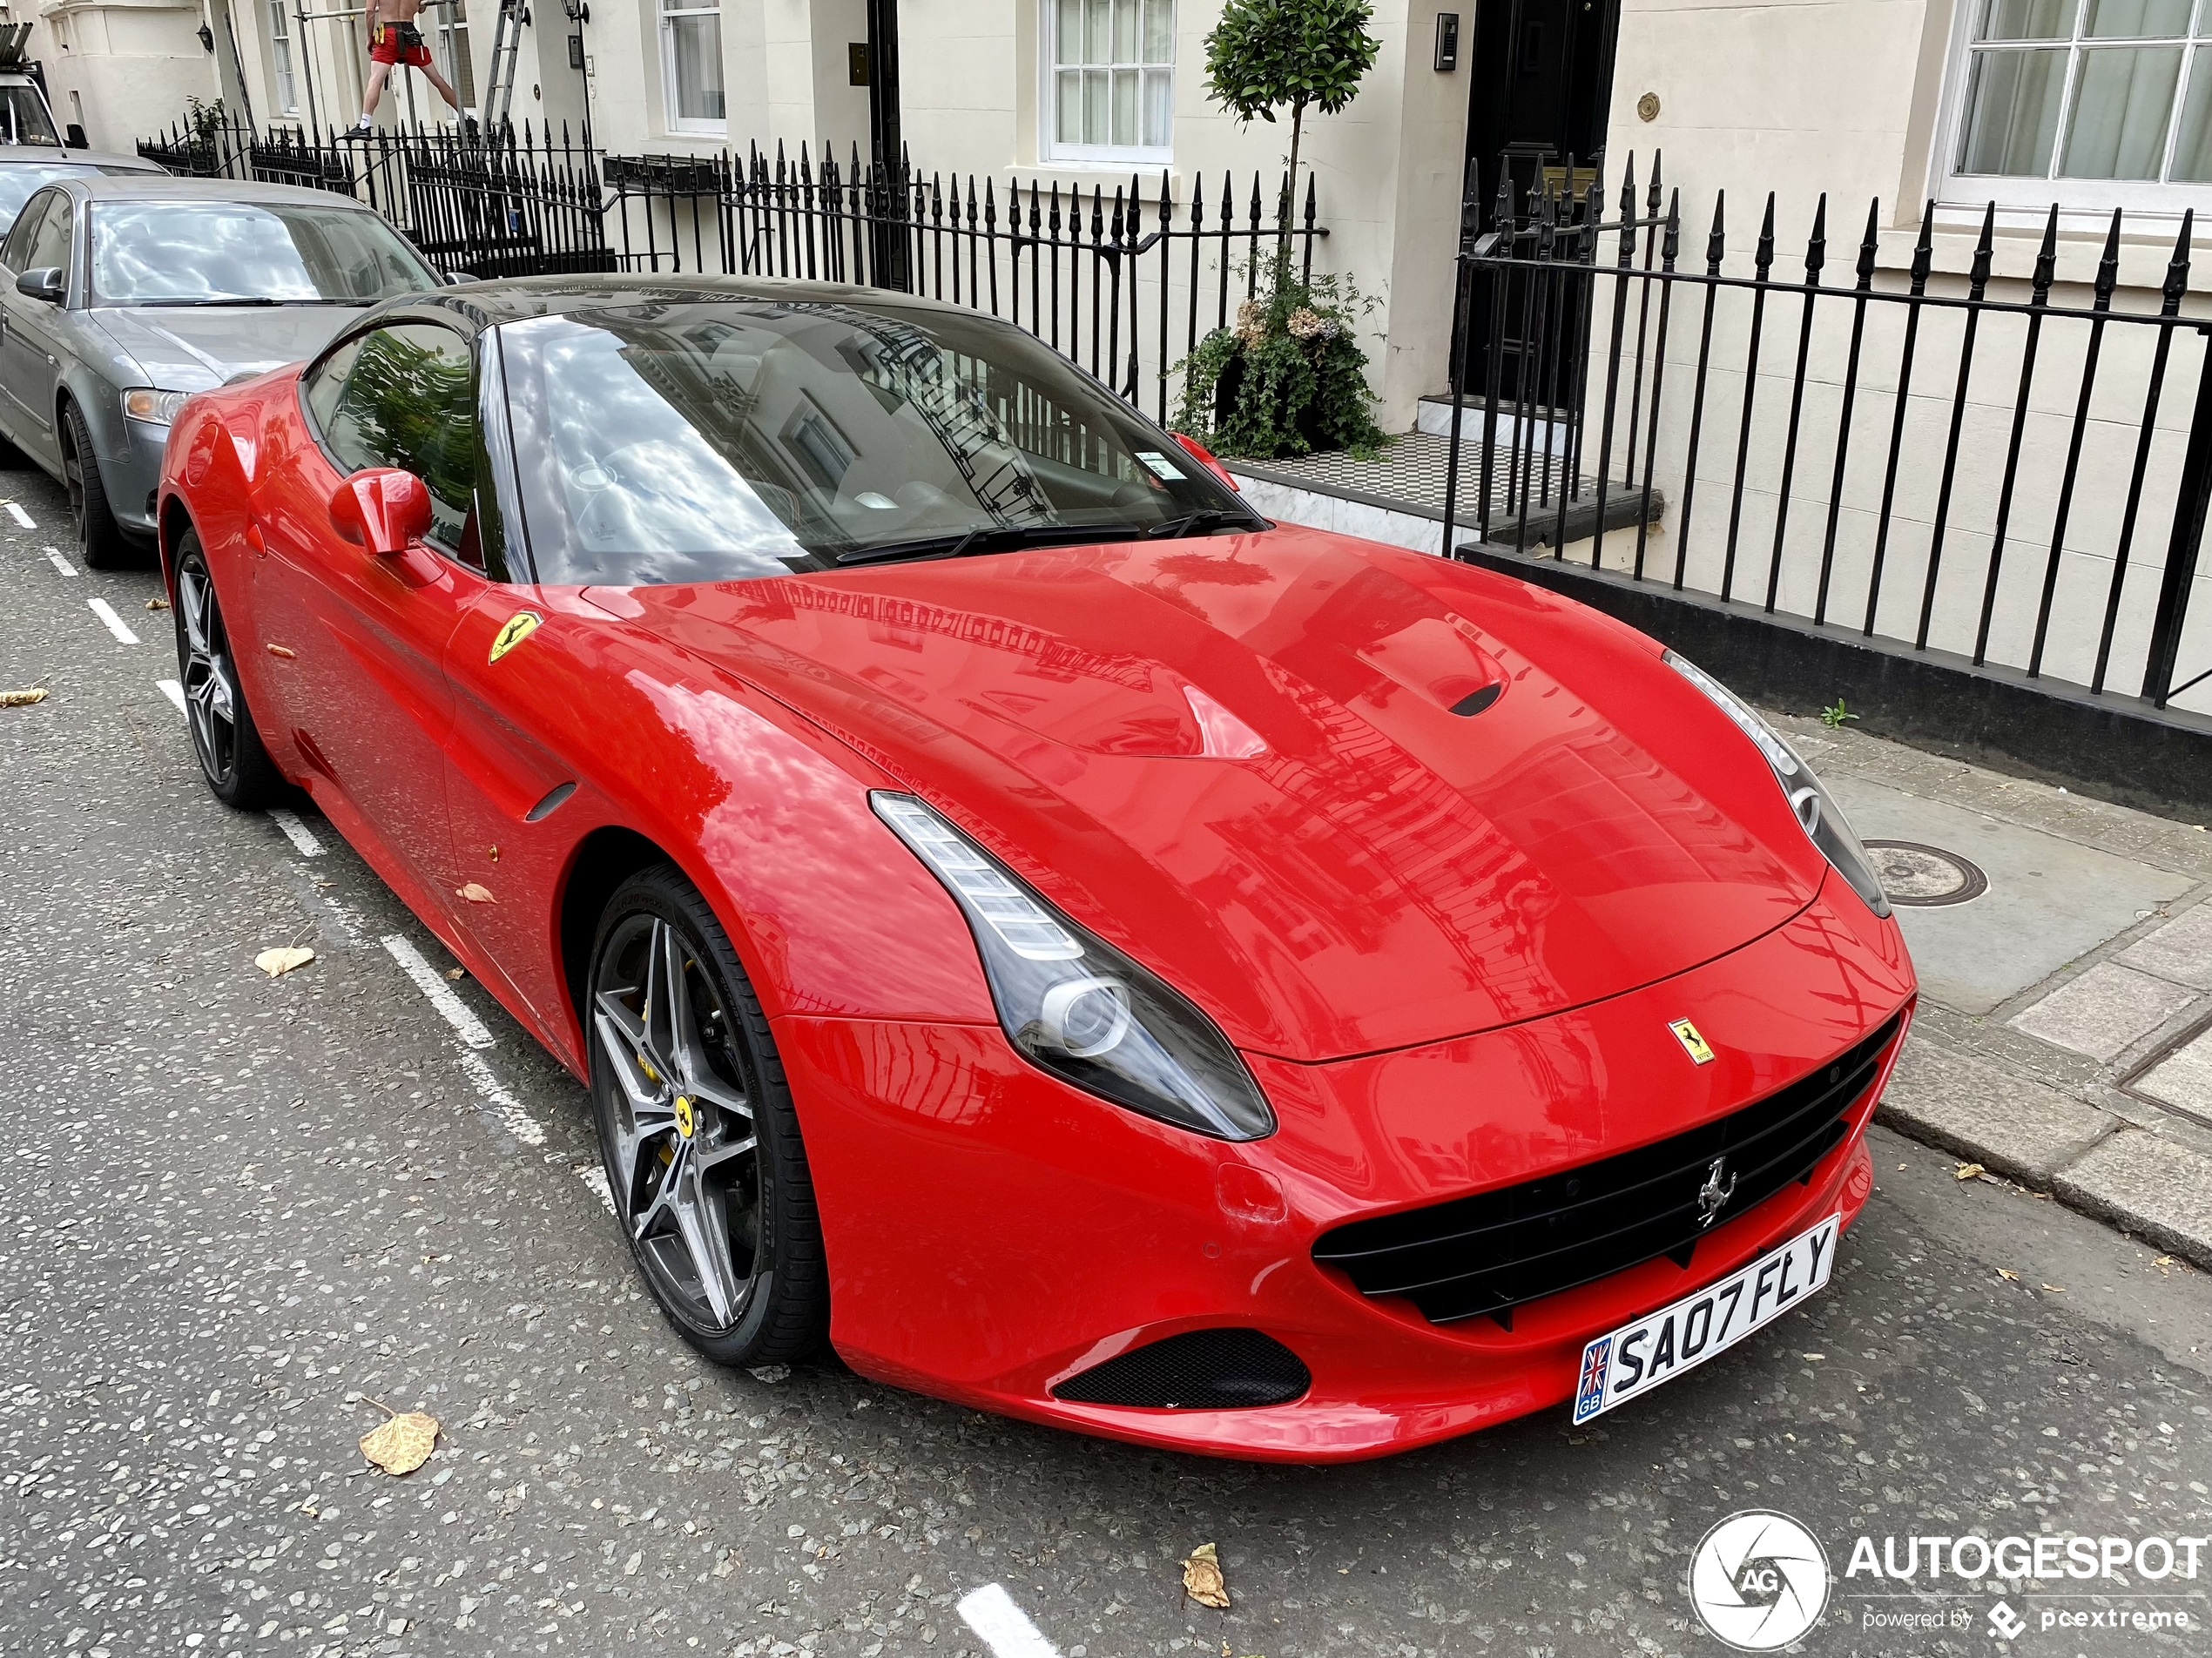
697, 1132
100, 540
239, 770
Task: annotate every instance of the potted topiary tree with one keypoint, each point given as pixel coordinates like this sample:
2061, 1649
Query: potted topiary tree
1289, 378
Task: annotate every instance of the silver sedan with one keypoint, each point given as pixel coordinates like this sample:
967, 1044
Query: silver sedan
120, 297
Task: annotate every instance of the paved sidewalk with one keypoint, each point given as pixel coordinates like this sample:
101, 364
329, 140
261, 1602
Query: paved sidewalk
2064, 1034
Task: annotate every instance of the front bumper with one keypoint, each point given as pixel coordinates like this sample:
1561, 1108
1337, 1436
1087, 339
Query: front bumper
992, 1232
130, 470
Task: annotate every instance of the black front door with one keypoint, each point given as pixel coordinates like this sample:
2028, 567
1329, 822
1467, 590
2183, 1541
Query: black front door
1542, 75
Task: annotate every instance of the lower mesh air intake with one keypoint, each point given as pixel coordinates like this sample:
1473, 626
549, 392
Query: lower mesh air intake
1200, 1370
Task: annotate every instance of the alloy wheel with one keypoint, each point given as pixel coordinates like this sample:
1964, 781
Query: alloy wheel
682, 1150
211, 682
73, 482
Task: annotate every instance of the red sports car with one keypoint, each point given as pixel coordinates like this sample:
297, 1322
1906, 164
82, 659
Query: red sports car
1088, 952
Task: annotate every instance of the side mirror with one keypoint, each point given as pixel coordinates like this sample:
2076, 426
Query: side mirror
47, 282
1203, 456
76, 138
382, 509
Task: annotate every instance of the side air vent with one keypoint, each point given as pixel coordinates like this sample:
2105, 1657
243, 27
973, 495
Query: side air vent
1476, 701
1200, 1370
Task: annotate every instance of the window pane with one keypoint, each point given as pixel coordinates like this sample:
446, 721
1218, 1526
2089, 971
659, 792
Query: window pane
1124, 31
2013, 113
1068, 33
2026, 20
2133, 19
409, 401
1159, 31
1094, 95
2121, 99
1068, 122
695, 42
1125, 106
2193, 147
1098, 46
1159, 108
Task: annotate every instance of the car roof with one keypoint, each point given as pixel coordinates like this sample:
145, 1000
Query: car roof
165, 187
48, 155
502, 299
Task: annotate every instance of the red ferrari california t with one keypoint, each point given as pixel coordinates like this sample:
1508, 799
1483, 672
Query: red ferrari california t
1082, 949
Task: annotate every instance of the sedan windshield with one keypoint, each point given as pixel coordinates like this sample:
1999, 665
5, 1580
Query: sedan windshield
696, 440
23, 118
227, 252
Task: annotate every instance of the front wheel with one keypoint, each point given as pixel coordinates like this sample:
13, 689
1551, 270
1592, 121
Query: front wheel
100, 540
238, 768
698, 1130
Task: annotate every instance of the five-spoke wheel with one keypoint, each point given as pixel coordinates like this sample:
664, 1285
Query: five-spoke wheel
223, 734
700, 1142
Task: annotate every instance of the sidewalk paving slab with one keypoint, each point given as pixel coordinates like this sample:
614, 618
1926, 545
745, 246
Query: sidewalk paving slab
2011, 1125
2181, 950
2145, 1184
2104, 1011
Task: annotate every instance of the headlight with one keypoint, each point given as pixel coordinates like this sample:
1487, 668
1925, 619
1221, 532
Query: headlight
1817, 809
155, 408
1077, 1006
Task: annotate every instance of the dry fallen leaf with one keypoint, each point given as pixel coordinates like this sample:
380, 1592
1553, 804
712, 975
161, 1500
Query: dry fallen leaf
457, 972
401, 1443
22, 699
156, 604
2009, 1274
2055, 1288
1967, 1171
1202, 1579
474, 892
278, 962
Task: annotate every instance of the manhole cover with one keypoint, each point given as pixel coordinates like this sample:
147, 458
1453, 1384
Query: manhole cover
1925, 876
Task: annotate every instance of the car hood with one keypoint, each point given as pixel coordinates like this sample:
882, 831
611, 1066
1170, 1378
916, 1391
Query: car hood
1349, 799
194, 349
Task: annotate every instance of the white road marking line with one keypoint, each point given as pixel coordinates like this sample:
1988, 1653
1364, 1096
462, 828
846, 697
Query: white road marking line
295, 831
513, 1114
595, 1178
116, 625
54, 557
348, 919
20, 516
1003, 1626
172, 690
428, 981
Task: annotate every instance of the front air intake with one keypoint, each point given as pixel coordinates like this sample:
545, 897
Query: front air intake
1200, 1370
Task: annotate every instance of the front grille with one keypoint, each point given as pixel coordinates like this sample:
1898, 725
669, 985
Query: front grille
1491, 1252
1201, 1370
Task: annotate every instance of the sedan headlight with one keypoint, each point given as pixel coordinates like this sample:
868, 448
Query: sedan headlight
1817, 809
1075, 1005
154, 408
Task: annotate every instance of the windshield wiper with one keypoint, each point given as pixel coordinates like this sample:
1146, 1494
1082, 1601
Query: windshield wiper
1196, 524
985, 538
232, 299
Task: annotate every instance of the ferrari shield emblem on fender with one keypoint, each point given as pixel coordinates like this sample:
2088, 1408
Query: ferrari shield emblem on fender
1685, 1032
515, 628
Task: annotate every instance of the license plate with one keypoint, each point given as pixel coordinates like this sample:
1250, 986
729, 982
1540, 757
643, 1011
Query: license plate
1632, 1360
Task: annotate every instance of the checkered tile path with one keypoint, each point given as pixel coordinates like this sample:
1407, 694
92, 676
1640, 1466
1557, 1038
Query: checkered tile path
1412, 470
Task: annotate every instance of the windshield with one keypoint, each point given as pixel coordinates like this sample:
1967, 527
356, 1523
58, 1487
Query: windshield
210, 252
23, 118
697, 440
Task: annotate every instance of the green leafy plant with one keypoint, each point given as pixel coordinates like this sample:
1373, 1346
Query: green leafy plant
1268, 55
1833, 718
1289, 379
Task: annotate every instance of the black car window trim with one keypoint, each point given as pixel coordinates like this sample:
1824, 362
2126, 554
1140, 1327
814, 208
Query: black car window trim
487, 534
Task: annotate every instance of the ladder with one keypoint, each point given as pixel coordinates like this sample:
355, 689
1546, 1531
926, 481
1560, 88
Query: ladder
506, 50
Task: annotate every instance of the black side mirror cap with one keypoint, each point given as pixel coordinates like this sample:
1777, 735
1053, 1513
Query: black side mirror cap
47, 282
75, 139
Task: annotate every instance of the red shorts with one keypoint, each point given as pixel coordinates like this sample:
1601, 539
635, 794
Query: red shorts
386, 49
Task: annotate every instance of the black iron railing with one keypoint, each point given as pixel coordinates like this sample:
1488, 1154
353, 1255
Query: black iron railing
2013, 469
1123, 280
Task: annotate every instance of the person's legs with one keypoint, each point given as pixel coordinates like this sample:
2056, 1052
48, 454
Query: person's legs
430, 73
375, 92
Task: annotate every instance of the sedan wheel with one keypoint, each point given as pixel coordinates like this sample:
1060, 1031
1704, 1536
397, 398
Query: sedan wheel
100, 540
697, 1129
238, 769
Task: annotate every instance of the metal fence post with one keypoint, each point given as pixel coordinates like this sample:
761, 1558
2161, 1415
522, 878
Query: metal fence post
2191, 499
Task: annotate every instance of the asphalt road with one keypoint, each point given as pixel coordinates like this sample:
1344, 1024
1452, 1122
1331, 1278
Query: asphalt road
237, 1209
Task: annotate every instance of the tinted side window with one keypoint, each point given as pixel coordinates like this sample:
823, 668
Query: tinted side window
22, 233
405, 396
321, 384
49, 241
